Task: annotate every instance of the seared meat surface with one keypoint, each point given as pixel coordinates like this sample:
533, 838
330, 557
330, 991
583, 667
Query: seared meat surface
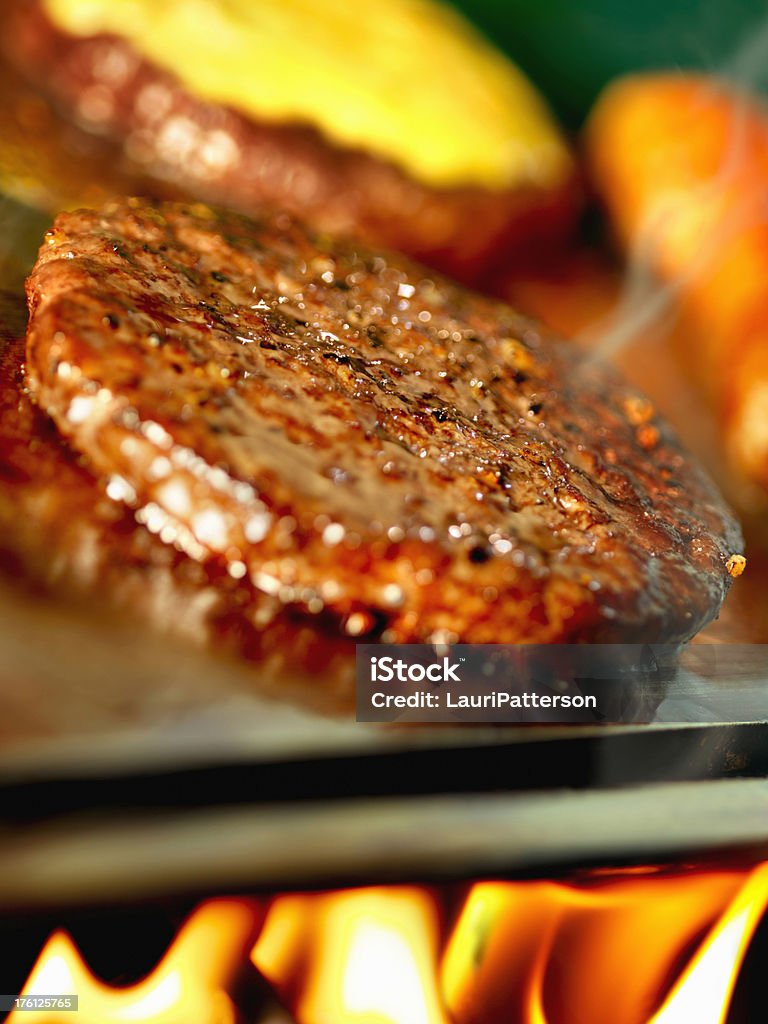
62, 535
363, 445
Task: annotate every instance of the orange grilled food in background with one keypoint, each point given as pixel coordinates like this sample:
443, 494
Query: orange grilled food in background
681, 164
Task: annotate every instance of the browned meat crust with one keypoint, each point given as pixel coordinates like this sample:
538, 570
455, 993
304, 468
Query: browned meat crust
372, 447
62, 535
338, 190
58, 526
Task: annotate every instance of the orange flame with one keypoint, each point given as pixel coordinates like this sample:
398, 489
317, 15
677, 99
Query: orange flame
189, 986
704, 991
549, 953
358, 957
640, 948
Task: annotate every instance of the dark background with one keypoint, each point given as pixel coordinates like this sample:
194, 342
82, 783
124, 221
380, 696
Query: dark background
571, 48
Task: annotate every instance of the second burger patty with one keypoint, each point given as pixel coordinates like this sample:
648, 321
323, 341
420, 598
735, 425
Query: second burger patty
222, 153
364, 442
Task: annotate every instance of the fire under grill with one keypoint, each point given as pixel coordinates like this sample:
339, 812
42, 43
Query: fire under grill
641, 946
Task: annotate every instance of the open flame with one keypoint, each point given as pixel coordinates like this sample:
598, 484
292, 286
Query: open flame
551, 953
637, 948
704, 990
365, 956
191, 984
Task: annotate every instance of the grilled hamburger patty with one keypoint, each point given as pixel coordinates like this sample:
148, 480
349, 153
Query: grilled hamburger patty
223, 155
365, 444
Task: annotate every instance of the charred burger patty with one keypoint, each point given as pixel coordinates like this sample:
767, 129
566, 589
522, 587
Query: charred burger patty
359, 448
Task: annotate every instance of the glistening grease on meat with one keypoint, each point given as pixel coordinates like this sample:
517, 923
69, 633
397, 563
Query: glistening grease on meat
369, 450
